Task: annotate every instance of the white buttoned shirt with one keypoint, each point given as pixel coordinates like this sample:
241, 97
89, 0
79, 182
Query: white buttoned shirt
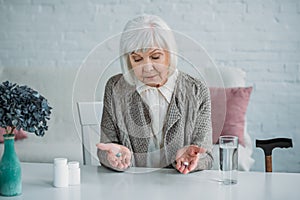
158, 100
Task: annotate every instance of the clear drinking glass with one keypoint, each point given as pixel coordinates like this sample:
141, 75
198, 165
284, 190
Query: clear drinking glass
228, 146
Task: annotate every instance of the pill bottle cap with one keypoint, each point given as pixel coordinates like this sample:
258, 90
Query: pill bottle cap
60, 161
73, 165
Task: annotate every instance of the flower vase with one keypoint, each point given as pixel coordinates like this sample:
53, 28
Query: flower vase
10, 169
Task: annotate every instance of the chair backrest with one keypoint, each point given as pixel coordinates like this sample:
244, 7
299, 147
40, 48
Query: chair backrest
90, 114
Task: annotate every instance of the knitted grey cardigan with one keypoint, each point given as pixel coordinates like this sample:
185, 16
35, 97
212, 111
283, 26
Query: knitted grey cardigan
126, 120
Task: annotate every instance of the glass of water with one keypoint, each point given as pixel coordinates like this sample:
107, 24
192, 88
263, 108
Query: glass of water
228, 146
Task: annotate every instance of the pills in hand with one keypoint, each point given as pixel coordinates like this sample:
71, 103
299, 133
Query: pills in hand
119, 155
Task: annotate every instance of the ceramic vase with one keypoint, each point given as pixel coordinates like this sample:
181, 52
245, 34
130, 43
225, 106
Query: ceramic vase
10, 169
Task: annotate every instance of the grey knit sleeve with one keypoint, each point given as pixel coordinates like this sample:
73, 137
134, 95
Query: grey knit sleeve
109, 129
202, 134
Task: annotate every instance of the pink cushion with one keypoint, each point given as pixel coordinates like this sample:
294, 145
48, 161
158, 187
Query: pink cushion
19, 135
228, 111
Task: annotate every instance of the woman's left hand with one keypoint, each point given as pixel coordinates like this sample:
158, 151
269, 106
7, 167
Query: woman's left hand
187, 158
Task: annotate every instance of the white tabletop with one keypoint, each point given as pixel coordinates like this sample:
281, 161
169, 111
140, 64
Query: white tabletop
101, 183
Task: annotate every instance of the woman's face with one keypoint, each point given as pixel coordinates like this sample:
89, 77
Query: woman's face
151, 67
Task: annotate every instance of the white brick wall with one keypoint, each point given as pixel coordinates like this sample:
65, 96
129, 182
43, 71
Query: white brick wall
260, 36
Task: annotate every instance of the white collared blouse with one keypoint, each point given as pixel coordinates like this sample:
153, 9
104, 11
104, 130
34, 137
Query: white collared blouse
158, 100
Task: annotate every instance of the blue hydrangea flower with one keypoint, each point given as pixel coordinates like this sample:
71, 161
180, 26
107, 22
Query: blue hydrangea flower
23, 107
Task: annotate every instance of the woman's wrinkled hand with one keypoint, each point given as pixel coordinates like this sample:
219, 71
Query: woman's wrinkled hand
187, 158
118, 156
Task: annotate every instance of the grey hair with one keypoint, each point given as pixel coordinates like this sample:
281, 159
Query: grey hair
141, 33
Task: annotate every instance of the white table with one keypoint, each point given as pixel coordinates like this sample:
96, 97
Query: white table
100, 183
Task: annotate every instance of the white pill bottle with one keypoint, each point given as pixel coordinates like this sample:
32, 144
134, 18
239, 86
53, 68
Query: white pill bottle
74, 173
60, 172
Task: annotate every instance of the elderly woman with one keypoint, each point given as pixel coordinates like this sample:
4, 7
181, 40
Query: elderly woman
154, 115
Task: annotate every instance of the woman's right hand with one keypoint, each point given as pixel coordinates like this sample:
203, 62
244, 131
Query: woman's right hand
118, 156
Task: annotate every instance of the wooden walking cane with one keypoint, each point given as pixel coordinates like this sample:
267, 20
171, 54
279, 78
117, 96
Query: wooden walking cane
269, 145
